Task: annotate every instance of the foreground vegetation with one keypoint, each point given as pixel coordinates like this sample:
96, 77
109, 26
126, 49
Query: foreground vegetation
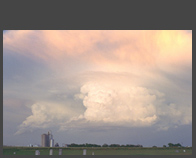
100, 150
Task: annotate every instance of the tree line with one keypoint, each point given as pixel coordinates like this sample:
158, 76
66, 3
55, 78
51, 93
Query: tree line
118, 145
174, 145
104, 145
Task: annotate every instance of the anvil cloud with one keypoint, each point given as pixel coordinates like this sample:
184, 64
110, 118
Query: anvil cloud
96, 78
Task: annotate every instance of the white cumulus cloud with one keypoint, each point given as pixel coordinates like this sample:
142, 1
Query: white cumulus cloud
46, 114
119, 105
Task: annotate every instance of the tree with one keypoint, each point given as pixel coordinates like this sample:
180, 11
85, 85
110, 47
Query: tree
114, 145
56, 145
174, 145
170, 144
105, 145
178, 145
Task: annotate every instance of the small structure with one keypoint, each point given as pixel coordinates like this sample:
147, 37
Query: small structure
37, 152
177, 151
30, 145
35, 145
65, 145
60, 151
51, 152
93, 153
84, 151
14, 153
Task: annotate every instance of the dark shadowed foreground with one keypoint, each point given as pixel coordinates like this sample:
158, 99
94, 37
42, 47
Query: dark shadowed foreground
98, 151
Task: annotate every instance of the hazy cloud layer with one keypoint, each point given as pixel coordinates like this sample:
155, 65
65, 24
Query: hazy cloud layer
103, 78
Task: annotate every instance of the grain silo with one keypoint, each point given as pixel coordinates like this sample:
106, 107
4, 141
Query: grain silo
51, 140
45, 140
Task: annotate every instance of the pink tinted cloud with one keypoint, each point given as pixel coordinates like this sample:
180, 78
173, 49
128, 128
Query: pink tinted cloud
15, 103
121, 51
106, 49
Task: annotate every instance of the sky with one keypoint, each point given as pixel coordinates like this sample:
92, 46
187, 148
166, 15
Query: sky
97, 86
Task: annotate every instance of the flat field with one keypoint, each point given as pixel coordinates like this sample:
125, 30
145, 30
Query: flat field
98, 151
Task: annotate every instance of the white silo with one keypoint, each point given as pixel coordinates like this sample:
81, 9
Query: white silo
51, 142
51, 138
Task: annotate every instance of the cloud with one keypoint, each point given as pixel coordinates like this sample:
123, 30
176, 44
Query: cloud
122, 78
130, 105
46, 114
114, 100
109, 99
104, 50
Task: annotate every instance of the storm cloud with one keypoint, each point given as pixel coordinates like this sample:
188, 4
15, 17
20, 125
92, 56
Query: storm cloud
99, 78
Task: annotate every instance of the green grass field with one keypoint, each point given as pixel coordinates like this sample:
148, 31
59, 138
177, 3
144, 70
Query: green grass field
98, 151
